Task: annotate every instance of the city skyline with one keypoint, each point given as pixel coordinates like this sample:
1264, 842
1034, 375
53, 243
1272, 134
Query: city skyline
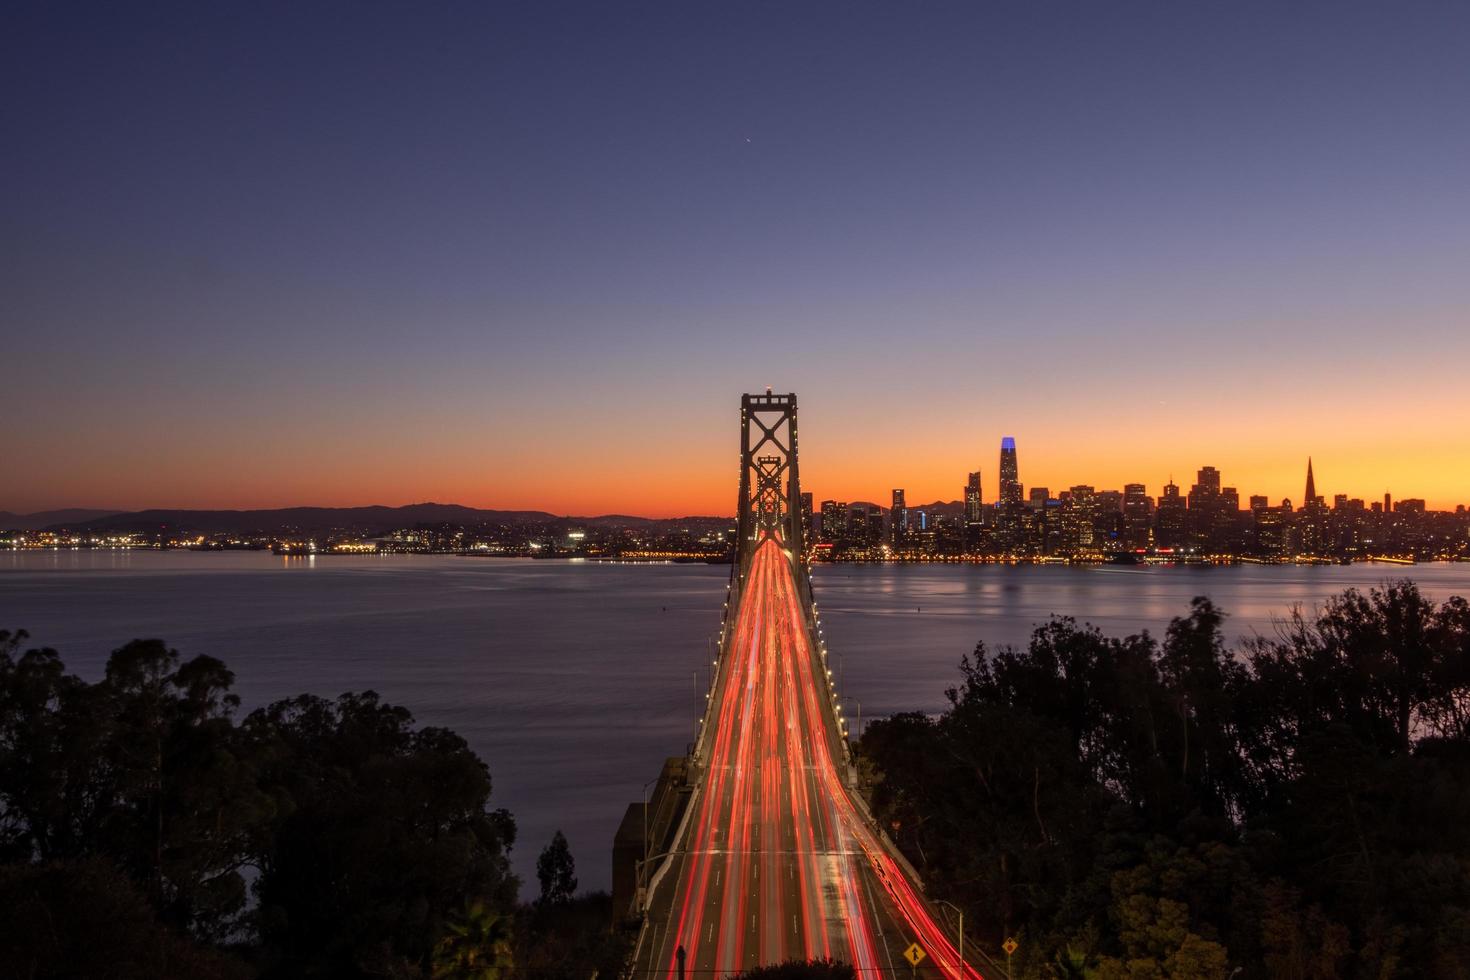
878, 489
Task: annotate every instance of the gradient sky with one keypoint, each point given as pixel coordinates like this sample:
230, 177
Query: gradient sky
530, 254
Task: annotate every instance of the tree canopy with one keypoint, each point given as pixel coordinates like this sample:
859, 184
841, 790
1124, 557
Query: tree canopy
313, 837
1137, 807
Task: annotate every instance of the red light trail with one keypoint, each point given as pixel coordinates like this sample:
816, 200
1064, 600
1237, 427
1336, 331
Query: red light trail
778, 862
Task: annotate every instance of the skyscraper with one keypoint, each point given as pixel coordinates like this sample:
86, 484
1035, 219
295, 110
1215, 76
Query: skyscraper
834, 521
898, 518
1204, 506
1137, 516
973, 530
1312, 527
1008, 507
1170, 520
1079, 513
972, 498
1010, 476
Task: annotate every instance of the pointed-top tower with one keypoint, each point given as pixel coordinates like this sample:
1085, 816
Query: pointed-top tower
1311, 497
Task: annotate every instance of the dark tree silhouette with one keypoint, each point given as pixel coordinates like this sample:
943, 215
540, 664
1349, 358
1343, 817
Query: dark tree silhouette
801, 970
557, 872
365, 834
1297, 808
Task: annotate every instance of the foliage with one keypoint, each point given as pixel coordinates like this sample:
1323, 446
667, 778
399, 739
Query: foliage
822, 969
572, 939
383, 831
557, 872
1136, 807
475, 946
566, 935
363, 834
85, 919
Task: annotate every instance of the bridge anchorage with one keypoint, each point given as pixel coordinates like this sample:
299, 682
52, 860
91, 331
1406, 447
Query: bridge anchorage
757, 849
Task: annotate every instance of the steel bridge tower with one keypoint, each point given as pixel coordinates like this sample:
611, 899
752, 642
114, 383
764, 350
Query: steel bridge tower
770, 492
770, 487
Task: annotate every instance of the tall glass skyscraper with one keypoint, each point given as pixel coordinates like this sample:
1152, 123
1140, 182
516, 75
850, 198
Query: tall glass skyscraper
1010, 477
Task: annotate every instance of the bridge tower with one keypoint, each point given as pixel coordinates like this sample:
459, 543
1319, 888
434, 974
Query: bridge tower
770, 485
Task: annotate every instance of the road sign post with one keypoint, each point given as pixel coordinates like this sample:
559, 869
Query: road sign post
1010, 946
915, 955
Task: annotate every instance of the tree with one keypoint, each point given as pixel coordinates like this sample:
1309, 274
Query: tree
556, 870
823, 969
1300, 808
85, 919
366, 832
475, 946
186, 807
145, 768
383, 830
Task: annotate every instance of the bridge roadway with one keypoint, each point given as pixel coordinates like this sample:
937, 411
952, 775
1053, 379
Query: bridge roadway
776, 861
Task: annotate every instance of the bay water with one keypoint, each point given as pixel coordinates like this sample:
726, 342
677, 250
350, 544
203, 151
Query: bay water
573, 680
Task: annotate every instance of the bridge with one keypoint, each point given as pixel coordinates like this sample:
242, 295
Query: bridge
775, 856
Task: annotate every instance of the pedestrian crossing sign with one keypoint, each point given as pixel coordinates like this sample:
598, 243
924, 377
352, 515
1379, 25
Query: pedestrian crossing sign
914, 954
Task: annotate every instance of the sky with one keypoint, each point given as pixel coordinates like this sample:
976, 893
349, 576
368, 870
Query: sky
529, 255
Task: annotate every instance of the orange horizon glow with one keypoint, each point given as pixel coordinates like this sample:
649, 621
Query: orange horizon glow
699, 484
592, 450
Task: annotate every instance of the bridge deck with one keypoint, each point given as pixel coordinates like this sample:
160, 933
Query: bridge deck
777, 862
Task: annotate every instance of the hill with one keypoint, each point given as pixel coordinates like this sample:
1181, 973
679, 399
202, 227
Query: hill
364, 519
48, 518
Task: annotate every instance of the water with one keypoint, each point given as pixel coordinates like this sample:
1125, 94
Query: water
573, 680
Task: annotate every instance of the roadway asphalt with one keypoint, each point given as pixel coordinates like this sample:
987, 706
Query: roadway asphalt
777, 861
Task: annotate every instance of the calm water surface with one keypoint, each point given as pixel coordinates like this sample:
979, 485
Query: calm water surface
574, 680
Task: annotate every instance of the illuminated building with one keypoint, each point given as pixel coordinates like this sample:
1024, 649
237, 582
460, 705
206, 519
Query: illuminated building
1204, 507
1010, 474
1008, 505
898, 520
834, 521
1312, 531
1079, 513
1137, 516
973, 499
1272, 530
1171, 521
974, 529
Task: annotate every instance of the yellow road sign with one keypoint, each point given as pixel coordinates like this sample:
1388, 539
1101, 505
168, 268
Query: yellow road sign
1010, 946
914, 954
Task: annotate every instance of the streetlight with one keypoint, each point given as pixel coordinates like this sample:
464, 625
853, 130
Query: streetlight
859, 712
643, 870
961, 913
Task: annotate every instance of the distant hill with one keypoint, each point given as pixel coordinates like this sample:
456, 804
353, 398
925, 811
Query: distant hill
954, 508
48, 518
362, 519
